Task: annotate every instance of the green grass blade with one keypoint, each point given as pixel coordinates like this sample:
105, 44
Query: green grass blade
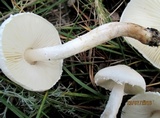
13, 108
82, 84
42, 105
6, 4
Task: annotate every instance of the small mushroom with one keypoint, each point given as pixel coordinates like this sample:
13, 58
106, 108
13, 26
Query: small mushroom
32, 54
145, 105
145, 13
120, 80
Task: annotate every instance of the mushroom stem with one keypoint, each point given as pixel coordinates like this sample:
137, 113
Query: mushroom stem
91, 39
114, 102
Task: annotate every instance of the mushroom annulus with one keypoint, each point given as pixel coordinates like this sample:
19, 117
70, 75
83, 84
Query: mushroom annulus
144, 13
145, 105
120, 80
32, 54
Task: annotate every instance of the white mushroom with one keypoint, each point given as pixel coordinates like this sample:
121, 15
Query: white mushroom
145, 13
120, 80
145, 105
31, 52
17, 34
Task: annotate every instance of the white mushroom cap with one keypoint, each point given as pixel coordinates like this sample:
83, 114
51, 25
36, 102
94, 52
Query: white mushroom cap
31, 32
145, 13
145, 105
120, 74
118, 79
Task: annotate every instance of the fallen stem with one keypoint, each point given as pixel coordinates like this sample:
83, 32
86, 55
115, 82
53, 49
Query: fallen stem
93, 38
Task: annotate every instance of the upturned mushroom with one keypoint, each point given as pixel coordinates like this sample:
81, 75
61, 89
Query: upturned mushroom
145, 105
32, 54
120, 80
145, 13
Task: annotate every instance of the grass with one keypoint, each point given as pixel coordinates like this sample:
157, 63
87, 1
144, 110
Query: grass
75, 95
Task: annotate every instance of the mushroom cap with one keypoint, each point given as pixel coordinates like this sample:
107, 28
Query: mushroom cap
144, 13
120, 74
28, 31
142, 106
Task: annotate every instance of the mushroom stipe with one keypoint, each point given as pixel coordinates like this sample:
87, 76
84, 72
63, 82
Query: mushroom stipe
155, 38
93, 38
31, 51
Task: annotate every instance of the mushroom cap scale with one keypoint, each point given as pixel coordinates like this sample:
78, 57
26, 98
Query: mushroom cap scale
144, 105
32, 31
144, 13
110, 76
